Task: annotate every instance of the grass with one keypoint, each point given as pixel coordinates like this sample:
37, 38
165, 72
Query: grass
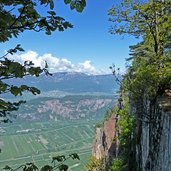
63, 138
47, 138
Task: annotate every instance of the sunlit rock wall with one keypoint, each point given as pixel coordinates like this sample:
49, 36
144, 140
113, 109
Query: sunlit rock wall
104, 145
154, 147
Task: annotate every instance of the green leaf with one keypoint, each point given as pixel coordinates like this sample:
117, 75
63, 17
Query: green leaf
59, 158
51, 4
48, 32
19, 48
46, 168
74, 156
52, 12
15, 90
3, 104
67, 1
34, 90
3, 86
60, 28
34, 167
72, 5
63, 167
79, 7
7, 167
24, 87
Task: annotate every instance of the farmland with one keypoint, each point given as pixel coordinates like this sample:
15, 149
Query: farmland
47, 127
40, 145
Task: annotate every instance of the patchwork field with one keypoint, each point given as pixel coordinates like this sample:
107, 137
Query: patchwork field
46, 127
44, 140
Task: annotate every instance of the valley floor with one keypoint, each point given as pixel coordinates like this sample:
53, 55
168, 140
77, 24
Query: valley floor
39, 142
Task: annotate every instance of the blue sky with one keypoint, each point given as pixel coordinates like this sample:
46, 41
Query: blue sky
89, 40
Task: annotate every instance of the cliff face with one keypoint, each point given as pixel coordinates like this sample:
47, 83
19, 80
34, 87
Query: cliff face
104, 145
154, 145
67, 107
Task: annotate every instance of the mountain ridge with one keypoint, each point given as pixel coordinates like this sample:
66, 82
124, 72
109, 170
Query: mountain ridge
70, 82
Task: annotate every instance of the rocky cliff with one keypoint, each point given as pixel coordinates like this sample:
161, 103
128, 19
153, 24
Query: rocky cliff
104, 145
68, 107
151, 149
154, 145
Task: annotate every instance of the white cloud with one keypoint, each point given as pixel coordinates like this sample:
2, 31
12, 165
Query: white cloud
86, 67
56, 64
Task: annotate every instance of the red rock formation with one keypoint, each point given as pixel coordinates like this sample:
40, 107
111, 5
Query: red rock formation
104, 145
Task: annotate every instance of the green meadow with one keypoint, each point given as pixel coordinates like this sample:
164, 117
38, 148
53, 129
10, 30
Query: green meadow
45, 140
38, 136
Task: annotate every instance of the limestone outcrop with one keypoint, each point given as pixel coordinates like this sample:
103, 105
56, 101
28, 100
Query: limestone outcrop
154, 147
104, 145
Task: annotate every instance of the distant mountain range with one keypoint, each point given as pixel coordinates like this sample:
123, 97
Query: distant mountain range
61, 120
68, 95
71, 82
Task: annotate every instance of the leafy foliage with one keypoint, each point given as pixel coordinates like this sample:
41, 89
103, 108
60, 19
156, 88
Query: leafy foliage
95, 164
11, 69
150, 70
56, 166
126, 125
76, 4
148, 76
126, 130
117, 165
18, 15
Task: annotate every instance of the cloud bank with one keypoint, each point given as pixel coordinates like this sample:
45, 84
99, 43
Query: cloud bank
56, 64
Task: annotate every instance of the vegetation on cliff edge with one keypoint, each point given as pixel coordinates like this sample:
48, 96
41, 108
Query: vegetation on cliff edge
148, 76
